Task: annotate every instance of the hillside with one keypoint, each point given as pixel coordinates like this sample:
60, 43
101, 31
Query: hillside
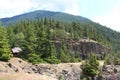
62, 38
58, 41
110, 36
42, 14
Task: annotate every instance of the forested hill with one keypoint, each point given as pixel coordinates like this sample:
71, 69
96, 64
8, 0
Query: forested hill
109, 35
42, 14
56, 37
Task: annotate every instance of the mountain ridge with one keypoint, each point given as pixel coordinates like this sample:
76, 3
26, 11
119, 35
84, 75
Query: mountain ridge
65, 17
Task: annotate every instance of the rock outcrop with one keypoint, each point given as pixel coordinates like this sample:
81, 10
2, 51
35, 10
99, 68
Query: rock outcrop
17, 69
83, 47
111, 72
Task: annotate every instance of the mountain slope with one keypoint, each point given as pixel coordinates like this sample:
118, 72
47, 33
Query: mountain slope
91, 29
42, 14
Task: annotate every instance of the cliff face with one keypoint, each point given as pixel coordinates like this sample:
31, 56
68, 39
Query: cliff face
83, 47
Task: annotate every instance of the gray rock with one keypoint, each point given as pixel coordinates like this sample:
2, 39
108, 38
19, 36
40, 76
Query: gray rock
13, 67
118, 76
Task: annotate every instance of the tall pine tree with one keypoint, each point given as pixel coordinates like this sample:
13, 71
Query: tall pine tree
5, 52
64, 55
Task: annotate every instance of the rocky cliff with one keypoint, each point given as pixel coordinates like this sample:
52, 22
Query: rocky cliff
83, 47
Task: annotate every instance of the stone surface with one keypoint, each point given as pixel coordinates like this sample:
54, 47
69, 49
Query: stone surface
83, 47
111, 72
17, 69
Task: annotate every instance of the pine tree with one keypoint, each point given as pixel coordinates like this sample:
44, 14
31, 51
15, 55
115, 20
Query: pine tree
28, 42
90, 67
5, 52
52, 57
92, 60
11, 36
64, 55
43, 43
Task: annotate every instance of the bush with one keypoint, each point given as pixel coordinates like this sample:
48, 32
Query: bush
5, 57
60, 77
34, 58
109, 59
52, 60
117, 62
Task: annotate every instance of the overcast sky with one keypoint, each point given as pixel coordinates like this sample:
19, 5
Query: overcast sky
105, 12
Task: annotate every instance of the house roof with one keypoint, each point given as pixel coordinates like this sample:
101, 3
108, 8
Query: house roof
16, 50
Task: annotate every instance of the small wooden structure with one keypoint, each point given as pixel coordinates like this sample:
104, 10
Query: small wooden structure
16, 50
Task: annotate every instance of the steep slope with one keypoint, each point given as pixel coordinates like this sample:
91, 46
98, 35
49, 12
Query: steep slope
42, 14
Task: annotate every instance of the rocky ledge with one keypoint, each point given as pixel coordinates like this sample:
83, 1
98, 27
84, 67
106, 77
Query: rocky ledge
17, 69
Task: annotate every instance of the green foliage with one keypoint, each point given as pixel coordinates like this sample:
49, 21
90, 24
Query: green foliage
90, 67
60, 77
34, 58
64, 55
41, 14
52, 57
87, 28
116, 58
112, 59
89, 70
5, 52
52, 60
109, 59
73, 59
92, 60
117, 62
37, 38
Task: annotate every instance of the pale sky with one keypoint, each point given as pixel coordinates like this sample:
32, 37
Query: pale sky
105, 12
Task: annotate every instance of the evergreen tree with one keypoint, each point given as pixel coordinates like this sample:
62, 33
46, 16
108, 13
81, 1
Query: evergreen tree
11, 36
28, 42
34, 37
90, 67
5, 52
43, 43
92, 60
52, 57
64, 55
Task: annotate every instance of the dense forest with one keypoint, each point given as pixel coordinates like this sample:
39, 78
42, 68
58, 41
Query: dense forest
36, 38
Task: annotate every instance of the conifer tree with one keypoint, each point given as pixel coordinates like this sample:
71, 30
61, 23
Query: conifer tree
5, 52
90, 67
43, 43
52, 57
64, 55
